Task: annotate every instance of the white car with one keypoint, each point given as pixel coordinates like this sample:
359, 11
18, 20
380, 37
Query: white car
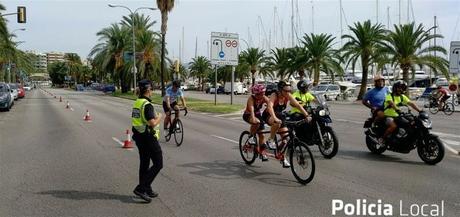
329, 91
14, 91
27, 88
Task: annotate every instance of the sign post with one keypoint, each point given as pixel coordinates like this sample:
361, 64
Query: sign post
224, 51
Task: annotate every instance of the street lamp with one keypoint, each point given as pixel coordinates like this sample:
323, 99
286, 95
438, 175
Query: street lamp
9, 60
134, 36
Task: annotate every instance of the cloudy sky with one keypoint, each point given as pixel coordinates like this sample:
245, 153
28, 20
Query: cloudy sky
71, 25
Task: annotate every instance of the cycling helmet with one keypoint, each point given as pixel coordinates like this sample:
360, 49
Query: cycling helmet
282, 84
303, 84
399, 83
176, 83
258, 89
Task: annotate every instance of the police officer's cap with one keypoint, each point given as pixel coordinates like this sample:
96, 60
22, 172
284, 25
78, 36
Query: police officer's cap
144, 84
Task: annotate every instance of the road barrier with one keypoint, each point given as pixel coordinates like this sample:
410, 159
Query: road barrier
87, 117
128, 143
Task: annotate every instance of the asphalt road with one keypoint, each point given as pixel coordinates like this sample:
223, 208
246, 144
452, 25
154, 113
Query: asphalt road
52, 163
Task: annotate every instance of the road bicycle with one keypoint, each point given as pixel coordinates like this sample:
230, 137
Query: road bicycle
432, 105
300, 156
176, 128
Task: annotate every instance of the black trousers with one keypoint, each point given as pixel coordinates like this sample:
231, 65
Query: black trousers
149, 150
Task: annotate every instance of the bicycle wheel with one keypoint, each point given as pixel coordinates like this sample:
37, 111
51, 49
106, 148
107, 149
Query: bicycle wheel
433, 109
178, 132
248, 145
449, 108
302, 162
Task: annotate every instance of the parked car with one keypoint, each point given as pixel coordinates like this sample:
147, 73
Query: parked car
21, 91
184, 87
238, 88
329, 91
14, 91
270, 88
27, 87
6, 99
109, 88
212, 90
79, 87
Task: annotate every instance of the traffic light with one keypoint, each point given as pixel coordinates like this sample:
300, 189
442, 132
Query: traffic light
21, 14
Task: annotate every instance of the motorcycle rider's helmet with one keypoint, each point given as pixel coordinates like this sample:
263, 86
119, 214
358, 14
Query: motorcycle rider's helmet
303, 85
399, 83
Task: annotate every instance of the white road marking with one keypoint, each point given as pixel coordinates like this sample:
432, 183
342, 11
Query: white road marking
446, 134
451, 149
229, 114
223, 138
349, 121
235, 118
451, 142
118, 141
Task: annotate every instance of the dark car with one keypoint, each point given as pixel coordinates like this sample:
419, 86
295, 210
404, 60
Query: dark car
270, 88
109, 88
6, 98
80, 87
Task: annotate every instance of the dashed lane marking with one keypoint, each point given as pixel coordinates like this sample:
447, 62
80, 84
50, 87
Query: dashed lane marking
223, 138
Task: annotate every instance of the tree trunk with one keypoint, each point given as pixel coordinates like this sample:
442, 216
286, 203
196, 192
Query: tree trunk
362, 90
200, 83
301, 73
316, 74
253, 75
406, 77
162, 66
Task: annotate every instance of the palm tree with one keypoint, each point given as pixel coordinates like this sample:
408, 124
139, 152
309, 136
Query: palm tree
108, 54
147, 42
165, 7
73, 63
362, 45
200, 67
242, 70
322, 56
406, 48
279, 62
182, 73
254, 58
298, 61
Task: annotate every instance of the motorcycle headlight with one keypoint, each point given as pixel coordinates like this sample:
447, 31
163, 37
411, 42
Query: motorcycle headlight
427, 123
322, 112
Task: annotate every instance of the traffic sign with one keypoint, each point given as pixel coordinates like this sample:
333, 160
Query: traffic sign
224, 48
454, 59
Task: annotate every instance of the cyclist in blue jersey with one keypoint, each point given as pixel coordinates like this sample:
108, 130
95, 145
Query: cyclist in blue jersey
173, 93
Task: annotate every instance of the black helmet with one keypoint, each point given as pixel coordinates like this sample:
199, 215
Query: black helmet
303, 84
144, 85
399, 83
176, 83
282, 84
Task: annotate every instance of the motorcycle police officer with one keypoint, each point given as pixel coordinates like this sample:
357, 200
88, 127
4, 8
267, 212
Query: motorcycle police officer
145, 127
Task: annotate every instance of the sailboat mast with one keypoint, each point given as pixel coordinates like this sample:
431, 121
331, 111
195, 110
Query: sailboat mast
292, 23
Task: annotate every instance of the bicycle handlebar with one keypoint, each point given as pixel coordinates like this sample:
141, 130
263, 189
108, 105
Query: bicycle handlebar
181, 109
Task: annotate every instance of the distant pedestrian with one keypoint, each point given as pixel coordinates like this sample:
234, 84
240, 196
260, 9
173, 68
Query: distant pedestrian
146, 132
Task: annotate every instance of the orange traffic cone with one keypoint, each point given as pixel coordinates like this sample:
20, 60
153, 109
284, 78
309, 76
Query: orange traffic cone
68, 105
87, 117
60, 99
128, 143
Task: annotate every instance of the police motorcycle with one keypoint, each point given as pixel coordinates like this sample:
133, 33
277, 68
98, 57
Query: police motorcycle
319, 130
413, 132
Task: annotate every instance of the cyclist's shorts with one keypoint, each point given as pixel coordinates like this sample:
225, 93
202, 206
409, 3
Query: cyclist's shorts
246, 118
165, 107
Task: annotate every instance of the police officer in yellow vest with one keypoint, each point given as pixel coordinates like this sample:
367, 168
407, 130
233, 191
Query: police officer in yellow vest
302, 95
146, 132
